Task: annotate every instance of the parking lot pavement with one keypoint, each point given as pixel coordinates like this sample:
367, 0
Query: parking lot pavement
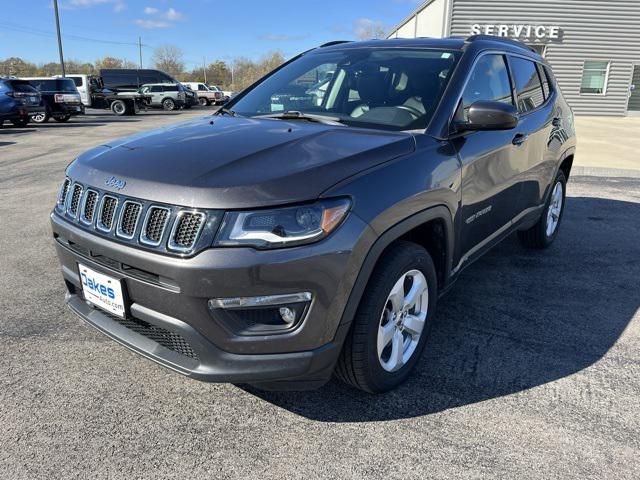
533, 369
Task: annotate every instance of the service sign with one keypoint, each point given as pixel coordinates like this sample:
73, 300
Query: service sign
518, 31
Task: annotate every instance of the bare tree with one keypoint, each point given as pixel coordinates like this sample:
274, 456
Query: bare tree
108, 62
366, 29
169, 58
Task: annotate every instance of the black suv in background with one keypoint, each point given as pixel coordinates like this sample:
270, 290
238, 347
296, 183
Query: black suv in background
61, 98
306, 230
18, 101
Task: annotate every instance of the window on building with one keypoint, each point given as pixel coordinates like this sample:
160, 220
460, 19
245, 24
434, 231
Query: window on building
594, 77
489, 81
528, 86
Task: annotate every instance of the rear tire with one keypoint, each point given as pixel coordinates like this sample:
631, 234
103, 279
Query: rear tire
168, 104
544, 232
119, 108
22, 122
41, 117
203, 102
388, 335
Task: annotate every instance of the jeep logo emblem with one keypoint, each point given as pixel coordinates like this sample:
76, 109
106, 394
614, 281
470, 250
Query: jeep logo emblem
115, 183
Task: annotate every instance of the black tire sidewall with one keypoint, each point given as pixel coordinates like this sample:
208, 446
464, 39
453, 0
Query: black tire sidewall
374, 300
114, 108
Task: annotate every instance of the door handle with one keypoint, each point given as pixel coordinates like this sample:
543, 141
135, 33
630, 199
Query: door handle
519, 139
556, 122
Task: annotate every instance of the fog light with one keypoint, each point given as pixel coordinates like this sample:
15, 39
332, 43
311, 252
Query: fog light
261, 315
288, 315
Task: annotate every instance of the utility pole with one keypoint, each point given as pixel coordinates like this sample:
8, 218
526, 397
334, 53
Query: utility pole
204, 69
140, 50
55, 8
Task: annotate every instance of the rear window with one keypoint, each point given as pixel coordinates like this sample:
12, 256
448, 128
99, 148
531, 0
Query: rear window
528, 86
77, 80
21, 86
64, 85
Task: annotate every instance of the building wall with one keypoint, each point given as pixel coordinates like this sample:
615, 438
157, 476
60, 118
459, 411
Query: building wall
607, 30
426, 21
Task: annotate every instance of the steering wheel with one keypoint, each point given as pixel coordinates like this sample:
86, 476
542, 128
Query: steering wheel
413, 111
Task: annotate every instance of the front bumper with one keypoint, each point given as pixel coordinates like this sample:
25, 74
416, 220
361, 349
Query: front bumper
172, 293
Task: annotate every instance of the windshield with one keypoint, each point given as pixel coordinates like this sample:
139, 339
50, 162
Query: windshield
391, 88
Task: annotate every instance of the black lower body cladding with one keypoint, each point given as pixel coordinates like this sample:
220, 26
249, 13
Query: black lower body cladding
171, 321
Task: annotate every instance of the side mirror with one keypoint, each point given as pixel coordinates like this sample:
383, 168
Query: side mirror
489, 115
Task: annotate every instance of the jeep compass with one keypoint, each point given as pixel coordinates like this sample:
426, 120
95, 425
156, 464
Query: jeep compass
300, 231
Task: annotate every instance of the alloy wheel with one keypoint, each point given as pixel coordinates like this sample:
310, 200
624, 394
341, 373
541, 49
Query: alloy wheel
555, 209
402, 320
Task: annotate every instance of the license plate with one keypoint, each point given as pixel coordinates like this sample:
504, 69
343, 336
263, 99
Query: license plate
102, 290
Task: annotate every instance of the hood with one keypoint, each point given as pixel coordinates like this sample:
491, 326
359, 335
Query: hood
230, 162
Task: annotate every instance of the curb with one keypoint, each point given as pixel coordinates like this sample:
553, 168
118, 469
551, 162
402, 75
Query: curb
604, 172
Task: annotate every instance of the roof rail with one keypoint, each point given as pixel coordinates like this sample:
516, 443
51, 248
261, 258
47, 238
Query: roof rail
495, 38
334, 42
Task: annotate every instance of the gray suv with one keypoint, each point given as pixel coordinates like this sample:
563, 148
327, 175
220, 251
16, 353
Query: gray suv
169, 96
296, 234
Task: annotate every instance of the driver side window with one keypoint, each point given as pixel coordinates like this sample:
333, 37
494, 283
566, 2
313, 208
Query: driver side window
488, 81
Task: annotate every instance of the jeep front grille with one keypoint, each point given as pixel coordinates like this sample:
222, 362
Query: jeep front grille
163, 228
90, 204
129, 219
107, 212
185, 230
75, 199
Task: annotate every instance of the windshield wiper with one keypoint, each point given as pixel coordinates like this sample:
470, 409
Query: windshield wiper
296, 115
225, 110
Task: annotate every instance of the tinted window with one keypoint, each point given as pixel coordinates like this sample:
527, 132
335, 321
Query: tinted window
528, 85
65, 85
120, 80
545, 80
156, 88
488, 81
77, 81
147, 78
201, 87
170, 88
21, 86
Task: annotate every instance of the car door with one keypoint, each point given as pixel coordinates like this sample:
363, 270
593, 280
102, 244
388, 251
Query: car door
492, 162
156, 94
536, 123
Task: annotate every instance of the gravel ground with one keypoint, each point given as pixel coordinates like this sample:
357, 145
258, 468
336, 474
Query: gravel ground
533, 369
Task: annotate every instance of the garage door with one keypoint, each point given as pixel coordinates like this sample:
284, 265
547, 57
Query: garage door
634, 99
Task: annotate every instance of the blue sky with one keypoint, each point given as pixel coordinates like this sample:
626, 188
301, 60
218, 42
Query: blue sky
213, 29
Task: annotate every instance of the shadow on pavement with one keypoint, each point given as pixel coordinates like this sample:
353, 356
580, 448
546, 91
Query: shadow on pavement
515, 319
4, 144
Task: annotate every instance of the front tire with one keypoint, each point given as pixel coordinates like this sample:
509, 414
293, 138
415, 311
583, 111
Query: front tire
168, 104
393, 320
544, 232
203, 102
63, 119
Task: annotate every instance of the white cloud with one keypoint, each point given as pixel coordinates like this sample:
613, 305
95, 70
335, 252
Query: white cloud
150, 10
151, 23
118, 5
172, 14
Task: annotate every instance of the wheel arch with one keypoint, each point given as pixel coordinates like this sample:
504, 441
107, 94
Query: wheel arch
413, 228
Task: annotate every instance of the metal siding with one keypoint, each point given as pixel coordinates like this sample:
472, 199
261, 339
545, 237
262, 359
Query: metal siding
590, 30
634, 101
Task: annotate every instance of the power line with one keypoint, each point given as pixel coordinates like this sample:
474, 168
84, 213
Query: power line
45, 33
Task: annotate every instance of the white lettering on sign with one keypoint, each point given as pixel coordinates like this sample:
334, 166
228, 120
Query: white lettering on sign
540, 32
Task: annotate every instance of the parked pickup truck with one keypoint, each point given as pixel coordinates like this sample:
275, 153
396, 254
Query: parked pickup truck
206, 95
94, 94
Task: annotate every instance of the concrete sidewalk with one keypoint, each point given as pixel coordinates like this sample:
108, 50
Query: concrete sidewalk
608, 146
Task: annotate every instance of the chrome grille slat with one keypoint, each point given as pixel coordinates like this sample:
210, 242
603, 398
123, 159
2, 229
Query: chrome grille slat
89, 205
74, 202
128, 221
64, 191
107, 210
155, 223
186, 229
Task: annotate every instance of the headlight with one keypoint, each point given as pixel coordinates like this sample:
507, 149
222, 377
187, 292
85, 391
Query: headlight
282, 226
